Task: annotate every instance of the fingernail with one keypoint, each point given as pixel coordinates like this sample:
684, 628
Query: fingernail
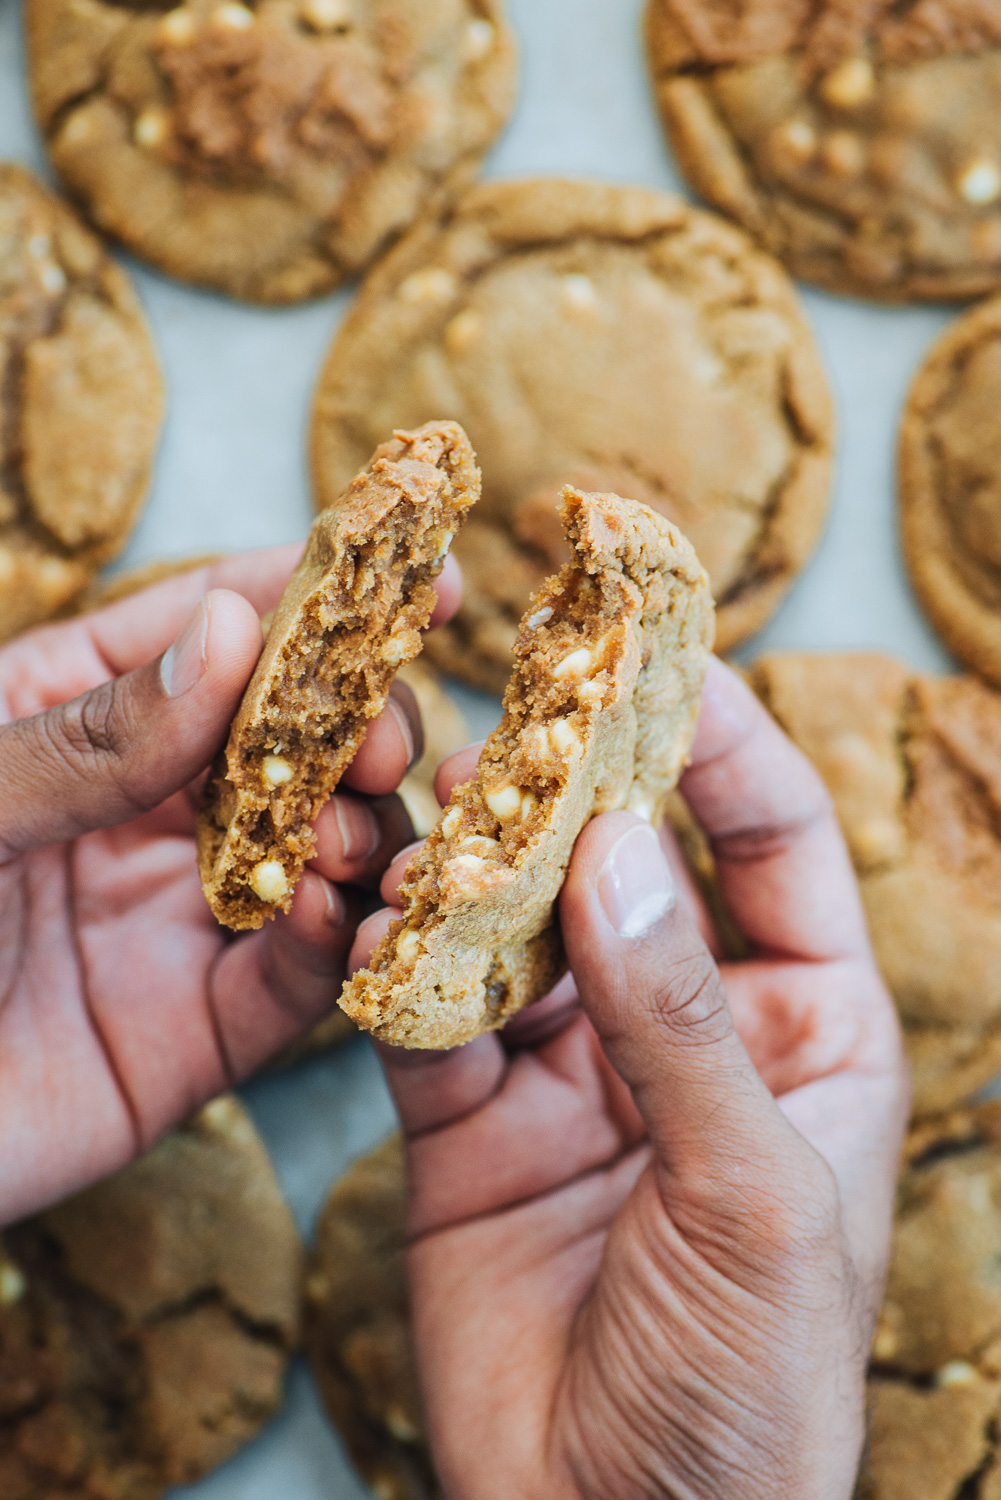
358, 828
635, 886
184, 662
406, 733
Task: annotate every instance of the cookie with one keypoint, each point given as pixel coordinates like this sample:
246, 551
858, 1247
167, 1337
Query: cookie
950, 487
81, 401
357, 1330
445, 730
935, 1378
914, 766
608, 337
860, 143
599, 714
269, 150
146, 1324
350, 617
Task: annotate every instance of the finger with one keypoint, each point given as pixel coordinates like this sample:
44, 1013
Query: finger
393, 743
448, 587
655, 998
455, 769
269, 987
132, 630
126, 745
369, 935
688, 891
389, 887
782, 862
356, 837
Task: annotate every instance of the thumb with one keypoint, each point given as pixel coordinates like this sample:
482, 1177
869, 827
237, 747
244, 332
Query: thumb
653, 993
126, 745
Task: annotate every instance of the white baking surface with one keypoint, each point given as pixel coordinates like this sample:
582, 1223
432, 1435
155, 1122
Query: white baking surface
231, 473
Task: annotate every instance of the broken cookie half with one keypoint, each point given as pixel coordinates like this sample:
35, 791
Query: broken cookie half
599, 714
350, 617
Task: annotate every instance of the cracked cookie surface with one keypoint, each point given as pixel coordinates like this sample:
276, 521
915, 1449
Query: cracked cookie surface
612, 338
146, 1324
81, 401
858, 141
599, 714
914, 766
950, 487
350, 617
357, 1329
270, 150
934, 1392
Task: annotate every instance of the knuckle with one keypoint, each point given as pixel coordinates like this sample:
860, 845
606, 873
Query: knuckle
690, 999
768, 840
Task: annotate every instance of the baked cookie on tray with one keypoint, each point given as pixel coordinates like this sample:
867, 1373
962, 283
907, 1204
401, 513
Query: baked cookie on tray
81, 401
914, 766
599, 714
608, 337
357, 1328
350, 617
861, 143
935, 1377
146, 1324
273, 149
950, 487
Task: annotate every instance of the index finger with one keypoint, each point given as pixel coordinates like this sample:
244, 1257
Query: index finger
781, 858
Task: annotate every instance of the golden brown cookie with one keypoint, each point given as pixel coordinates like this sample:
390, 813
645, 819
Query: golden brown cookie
858, 140
81, 401
146, 1324
935, 1378
272, 149
599, 714
950, 487
358, 1328
914, 766
350, 616
607, 337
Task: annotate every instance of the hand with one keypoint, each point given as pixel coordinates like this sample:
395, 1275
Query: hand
649, 1227
123, 1005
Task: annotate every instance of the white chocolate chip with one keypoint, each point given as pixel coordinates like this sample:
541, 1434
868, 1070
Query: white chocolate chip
579, 294
54, 576
399, 644
797, 138
451, 821
276, 770
562, 737
479, 844
979, 181
232, 16
529, 802
843, 153
539, 618
400, 1425
463, 331
39, 246
505, 802
222, 1116
850, 84
53, 278
268, 881
478, 41
77, 130
12, 1283
408, 945
177, 27
590, 692
326, 15
956, 1372
434, 284
151, 128
468, 877
442, 540
577, 664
